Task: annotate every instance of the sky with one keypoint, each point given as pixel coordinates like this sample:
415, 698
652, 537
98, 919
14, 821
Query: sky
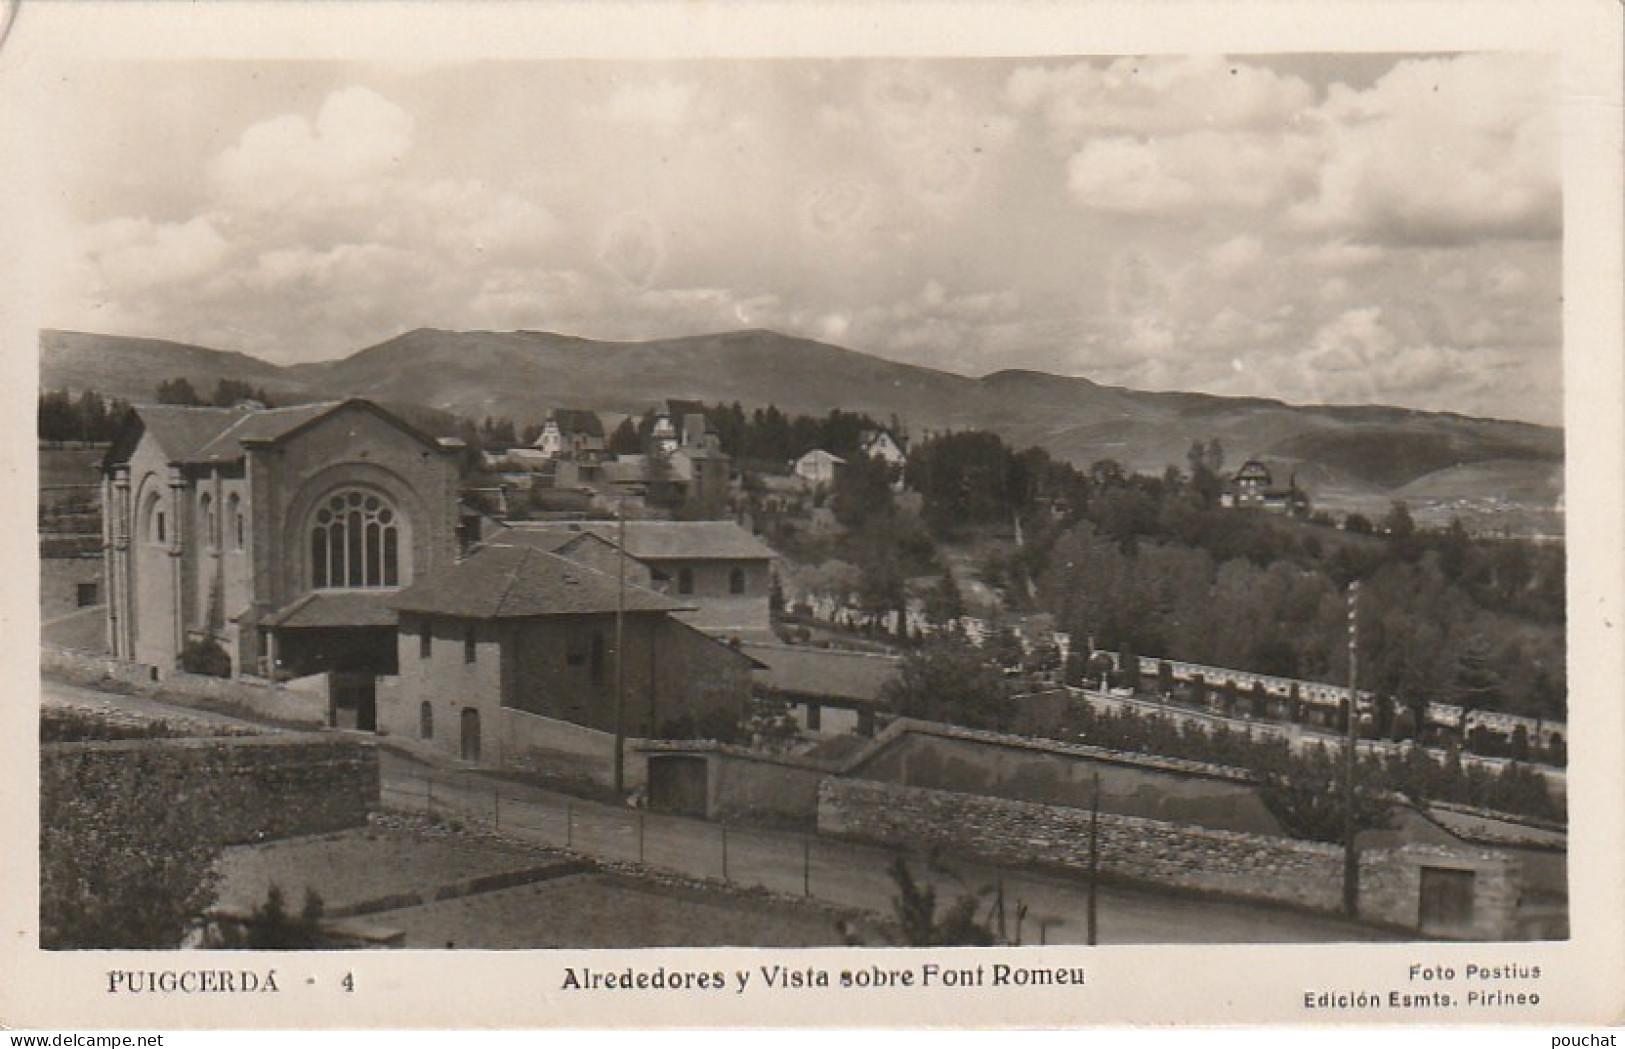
1320, 229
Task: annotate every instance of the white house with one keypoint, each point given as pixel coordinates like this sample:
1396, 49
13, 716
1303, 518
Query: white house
818, 467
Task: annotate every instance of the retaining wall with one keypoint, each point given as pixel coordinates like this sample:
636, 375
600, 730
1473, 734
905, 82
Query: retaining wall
221, 791
296, 705
564, 749
1229, 863
951, 758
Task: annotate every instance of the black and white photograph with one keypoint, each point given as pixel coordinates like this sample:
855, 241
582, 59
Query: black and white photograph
594, 512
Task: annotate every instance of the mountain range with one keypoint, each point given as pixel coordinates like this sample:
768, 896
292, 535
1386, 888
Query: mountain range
1346, 456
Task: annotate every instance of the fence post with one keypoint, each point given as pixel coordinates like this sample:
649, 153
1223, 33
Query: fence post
496, 808
569, 825
640, 835
429, 780
806, 866
724, 852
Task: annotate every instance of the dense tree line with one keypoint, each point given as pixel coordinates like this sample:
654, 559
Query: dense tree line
1156, 565
90, 417
768, 439
227, 392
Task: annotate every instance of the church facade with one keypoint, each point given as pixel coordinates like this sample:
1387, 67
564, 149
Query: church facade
274, 536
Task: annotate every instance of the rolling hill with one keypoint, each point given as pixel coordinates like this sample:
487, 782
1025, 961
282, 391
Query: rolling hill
1345, 455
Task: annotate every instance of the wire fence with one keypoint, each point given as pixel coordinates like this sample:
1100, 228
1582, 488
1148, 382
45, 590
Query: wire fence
782, 861
845, 873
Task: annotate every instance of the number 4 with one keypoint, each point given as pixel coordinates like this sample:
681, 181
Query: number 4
348, 983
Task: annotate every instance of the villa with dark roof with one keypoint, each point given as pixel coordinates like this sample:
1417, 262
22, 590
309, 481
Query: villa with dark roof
721, 572
1252, 487
496, 647
275, 534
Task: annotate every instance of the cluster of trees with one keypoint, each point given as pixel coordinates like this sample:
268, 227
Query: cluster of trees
89, 418
767, 439
972, 478
95, 418
227, 392
1155, 564
1423, 637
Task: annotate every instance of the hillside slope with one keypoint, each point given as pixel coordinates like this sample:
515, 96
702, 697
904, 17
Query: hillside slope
1346, 455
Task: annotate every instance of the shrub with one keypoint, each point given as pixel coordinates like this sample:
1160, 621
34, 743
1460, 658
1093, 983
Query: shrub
205, 656
272, 927
130, 879
915, 909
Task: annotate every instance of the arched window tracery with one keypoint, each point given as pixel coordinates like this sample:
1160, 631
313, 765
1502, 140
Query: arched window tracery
355, 540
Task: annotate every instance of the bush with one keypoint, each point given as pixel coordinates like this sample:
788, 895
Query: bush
915, 909
205, 656
126, 880
272, 927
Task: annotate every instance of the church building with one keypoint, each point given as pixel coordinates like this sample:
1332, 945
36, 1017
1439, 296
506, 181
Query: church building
272, 537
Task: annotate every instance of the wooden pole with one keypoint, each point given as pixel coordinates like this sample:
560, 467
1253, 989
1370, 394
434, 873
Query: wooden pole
1351, 855
1094, 859
620, 637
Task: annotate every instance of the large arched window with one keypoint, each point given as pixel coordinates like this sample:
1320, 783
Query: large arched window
355, 541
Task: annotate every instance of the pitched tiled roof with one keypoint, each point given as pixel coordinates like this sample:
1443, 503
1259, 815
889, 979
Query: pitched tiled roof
670, 540
181, 431
204, 435
336, 608
499, 582
264, 424
809, 671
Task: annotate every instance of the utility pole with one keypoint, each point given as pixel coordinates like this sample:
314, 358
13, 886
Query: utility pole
1094, 858
620, 637
1351, 856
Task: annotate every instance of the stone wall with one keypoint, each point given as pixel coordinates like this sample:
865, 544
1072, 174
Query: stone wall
563, 750
301, 706
222, 791
950, 758
1197, 859
750, 787
60, 579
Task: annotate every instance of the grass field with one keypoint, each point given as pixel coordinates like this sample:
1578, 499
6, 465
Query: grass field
70, 465
613, 910
395, 870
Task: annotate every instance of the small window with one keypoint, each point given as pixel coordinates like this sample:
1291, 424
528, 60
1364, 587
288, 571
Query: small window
85, 594
206, 504
425, 642
685, 581
470, 647
815, 717
596, 666
234, 514
160, 533
736, 581
425, 720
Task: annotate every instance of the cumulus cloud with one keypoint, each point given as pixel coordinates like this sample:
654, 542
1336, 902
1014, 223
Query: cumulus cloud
312, 231
1441, 150
357, 135
132, 254
1157, 96
1180, 222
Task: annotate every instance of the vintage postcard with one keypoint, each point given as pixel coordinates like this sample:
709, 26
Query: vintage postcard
662, 515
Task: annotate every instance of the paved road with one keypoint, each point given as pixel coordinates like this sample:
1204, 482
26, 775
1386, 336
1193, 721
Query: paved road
1051, 909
